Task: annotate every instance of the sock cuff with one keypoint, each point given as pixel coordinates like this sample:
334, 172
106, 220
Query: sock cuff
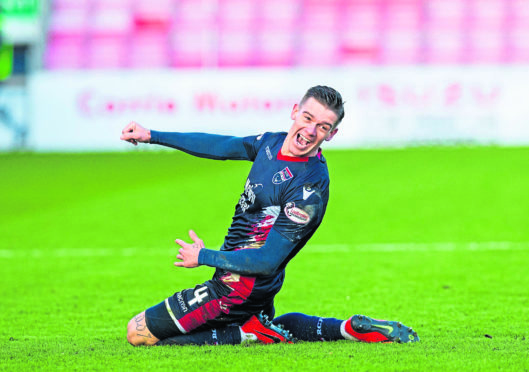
344, 328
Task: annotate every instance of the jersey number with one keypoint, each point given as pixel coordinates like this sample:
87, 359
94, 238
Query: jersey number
200, 294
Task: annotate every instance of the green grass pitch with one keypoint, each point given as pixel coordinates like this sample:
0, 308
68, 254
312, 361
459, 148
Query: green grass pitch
437, 238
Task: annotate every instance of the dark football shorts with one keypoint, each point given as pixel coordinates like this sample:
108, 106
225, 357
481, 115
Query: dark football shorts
213, 304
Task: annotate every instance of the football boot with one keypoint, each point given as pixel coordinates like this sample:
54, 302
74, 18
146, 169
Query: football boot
265, 331
366, 329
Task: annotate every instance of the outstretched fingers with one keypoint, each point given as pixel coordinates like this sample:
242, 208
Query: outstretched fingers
179, 256
188, 253
194, 237
180, 242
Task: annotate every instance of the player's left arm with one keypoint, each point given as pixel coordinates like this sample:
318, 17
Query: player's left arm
252, 261
298, 220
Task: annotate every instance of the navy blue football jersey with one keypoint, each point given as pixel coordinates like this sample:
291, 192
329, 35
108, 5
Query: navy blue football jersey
282, 204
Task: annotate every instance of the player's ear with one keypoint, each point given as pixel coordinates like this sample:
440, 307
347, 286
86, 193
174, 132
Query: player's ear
331, 134
295, 110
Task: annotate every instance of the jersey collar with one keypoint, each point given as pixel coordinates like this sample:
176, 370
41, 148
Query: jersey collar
296, 159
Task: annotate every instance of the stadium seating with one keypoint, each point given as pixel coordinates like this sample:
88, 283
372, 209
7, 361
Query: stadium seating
239, 33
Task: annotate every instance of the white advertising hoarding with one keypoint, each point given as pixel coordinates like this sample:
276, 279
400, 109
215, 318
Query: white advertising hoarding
86, 110
13, 116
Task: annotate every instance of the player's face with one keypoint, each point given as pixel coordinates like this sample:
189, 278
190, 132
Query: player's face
313, 124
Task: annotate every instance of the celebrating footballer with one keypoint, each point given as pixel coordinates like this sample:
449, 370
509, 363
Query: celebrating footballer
283, 202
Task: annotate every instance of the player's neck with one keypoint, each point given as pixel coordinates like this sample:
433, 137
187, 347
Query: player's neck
298, 159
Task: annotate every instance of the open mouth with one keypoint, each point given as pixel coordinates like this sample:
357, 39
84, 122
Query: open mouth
302, 141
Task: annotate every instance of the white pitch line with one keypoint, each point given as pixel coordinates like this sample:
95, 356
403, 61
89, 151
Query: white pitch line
422, 247
85, 252
311, 248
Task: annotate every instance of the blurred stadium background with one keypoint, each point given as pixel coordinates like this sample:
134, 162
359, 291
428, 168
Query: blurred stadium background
74, 72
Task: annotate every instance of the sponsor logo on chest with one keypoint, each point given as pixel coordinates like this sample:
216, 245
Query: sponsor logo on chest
283, 175
296, 214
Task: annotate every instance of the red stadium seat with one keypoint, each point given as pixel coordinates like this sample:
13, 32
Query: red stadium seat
241, 33
149, 50
65, 53
107, 52
274, 48
189, 47
236, 48
444, 47
318, 48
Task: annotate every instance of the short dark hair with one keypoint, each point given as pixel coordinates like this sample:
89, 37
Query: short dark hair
327, 96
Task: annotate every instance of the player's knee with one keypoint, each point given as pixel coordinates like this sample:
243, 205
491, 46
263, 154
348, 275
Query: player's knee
137, 332
132, 336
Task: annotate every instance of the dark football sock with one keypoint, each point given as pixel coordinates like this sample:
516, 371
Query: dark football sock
221, 336
311, 328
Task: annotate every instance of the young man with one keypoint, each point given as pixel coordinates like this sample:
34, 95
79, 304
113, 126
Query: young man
282, 205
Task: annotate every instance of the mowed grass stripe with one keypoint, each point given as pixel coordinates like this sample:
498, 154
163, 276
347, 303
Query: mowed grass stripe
310, 248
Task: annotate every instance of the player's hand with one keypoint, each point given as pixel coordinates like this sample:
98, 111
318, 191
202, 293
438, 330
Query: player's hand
135, 133
189, 252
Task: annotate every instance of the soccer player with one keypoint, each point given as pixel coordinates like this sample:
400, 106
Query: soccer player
283, 203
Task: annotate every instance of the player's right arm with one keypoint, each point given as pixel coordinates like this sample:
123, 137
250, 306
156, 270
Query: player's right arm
135, 133
204, 145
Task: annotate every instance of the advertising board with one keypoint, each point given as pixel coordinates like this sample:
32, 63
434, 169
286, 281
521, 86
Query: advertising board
80, 111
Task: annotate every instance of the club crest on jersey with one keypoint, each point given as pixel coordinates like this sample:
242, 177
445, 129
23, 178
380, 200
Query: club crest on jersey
296, 214
282, 176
